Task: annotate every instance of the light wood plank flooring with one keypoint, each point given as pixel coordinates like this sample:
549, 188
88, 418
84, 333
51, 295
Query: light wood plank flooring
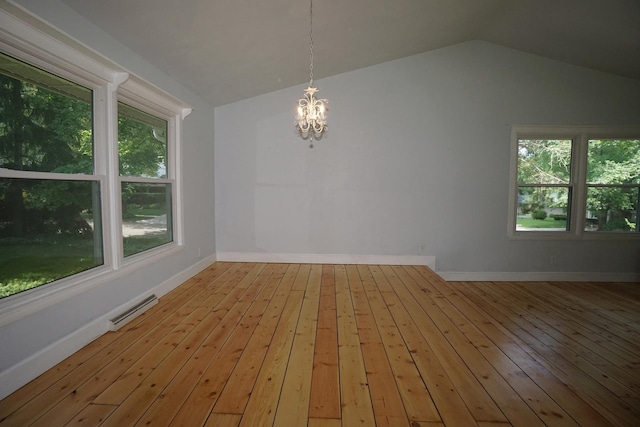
249, 344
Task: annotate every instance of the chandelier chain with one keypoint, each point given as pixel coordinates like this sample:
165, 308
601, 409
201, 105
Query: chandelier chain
311, 44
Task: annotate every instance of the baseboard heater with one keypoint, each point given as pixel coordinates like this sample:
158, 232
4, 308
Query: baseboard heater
135, 311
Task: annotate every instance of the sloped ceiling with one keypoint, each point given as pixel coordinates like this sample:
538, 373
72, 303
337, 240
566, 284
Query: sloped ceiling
227, 50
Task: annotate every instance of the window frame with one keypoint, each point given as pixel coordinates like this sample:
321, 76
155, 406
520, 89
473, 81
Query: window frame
135, 95
577, 209
29, 39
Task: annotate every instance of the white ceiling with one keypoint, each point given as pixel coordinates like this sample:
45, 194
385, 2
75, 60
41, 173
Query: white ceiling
227, 50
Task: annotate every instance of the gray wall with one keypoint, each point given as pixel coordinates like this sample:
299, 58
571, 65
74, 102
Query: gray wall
30, 335
416, 162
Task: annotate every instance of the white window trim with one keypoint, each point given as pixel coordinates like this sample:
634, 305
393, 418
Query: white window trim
580, 134
28, 38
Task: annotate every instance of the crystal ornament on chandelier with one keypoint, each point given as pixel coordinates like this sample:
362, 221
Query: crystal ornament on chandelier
311, 120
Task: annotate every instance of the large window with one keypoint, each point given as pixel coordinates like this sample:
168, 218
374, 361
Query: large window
89, 171
613, 185
145, 186
544, 184
50, 211
575, 182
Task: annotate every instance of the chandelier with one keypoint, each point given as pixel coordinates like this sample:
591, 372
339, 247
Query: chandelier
311, 119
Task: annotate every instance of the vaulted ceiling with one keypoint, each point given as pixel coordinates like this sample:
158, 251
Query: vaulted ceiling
227, 50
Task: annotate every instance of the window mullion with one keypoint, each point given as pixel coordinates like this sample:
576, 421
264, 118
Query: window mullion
175, 173
513, 184
10, 173
637, 210
579, 180
106, 163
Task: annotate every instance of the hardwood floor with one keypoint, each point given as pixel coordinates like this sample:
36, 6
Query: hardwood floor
246, 344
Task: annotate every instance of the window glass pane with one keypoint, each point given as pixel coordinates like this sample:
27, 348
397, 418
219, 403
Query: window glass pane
613, 161
146, 213
612, 209
544, 161
45, 121
142, 143
48, 230
543, 209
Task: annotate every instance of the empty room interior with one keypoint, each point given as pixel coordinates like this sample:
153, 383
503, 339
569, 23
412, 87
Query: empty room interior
320, 213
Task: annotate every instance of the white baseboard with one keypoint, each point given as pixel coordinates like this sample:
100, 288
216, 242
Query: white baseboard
175, 281
429, 261
26, 370
30, 368
535, 276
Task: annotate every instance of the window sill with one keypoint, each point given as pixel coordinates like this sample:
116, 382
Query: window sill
569, 235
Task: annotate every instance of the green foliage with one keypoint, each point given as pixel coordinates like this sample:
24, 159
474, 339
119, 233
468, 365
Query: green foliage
613, 163
26, 263
136, 244
536, 223
539, 214
544, 161
618, 224
137, 197
140, 152
43, 131
16, 285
